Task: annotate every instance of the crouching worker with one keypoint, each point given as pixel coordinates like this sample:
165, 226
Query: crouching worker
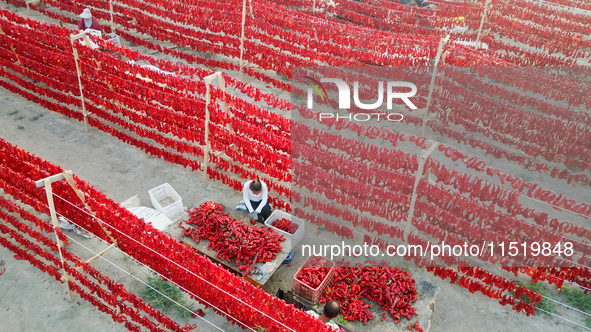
255, 201
87, 21
331, 310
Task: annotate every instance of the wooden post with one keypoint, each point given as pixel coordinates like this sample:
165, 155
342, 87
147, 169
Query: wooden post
206, 149
486, 4
111, 12
47, 182
442, 42
28, 2
75, 51
242, 38
425, 154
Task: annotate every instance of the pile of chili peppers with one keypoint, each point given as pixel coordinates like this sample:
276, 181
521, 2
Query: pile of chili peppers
286, 225
232, 238
313, 276
390, 287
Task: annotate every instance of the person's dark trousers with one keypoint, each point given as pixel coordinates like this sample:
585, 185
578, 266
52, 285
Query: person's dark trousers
265, 212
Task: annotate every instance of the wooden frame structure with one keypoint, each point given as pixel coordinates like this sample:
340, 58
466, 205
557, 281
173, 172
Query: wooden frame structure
423, 157
206, 148
478, 43
73, 38
242, 37
442, 43
46, 182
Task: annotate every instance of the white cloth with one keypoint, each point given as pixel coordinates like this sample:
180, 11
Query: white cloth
248, 196
88, 22
331, 324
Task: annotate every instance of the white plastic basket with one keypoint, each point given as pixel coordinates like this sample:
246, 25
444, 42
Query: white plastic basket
114, 39
299, 234
166, 200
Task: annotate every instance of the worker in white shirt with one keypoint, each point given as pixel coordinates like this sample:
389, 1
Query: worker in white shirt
255, 202
331, 310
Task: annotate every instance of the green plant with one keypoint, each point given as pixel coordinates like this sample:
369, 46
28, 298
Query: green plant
165, 296
259, 328
341, 320
36, 117
587, 322
20, 127
545, 305
575, 297
13, 113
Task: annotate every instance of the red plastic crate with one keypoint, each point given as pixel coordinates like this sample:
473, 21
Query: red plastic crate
306, 292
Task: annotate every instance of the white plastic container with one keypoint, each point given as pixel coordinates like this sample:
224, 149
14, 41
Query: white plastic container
114, 39
166, 200
298, 235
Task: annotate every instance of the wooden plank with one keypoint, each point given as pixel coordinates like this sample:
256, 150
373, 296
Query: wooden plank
176, 232
98, 255
53, 178
242, 38
442, 42
75, 52
422, 160
486, 5
206, 148
56, 226
77, 36
80, 195
111, 12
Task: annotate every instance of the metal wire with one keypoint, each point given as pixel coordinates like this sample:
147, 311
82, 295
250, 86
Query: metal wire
120, 268
173, 262
568, 320
189, 292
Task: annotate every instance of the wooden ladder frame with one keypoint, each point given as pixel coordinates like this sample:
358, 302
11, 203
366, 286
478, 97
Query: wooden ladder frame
423, 156
207, 146
46, 182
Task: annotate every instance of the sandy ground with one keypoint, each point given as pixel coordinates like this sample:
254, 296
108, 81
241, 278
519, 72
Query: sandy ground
121, 171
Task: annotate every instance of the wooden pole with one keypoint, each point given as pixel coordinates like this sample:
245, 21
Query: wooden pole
222, 83
242, 38
75, 51
442, 42
111, 12
486, 5
425, 154
206, 149
56, 226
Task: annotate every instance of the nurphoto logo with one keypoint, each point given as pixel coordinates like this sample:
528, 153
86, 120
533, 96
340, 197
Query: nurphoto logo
345, 98
345, 93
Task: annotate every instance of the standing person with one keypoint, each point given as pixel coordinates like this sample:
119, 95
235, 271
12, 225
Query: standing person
255, 196
331, 310
87, 21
